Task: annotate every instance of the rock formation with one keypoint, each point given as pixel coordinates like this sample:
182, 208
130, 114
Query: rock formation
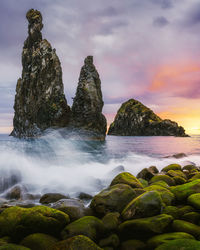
40, 102
135, 119
88, 103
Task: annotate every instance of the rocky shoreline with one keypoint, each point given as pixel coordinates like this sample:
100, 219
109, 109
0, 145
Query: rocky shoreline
154, 210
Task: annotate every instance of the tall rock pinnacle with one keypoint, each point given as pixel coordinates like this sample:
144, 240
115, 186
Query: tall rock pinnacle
88, 103
40, 102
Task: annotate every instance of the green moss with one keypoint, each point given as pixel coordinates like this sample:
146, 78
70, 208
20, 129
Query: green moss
166, 195
133, 245
161, 183
171, 210
126, 178
195, 177
112, 241
185, 244
179, 180
18, 222
192, 217
89, 226
39, 241
171, 167
194, 200
187, 227
145, 205
181, 192
189, 167
143, 182
184, 210
10, 246
164, 178
164, 238
141, 227
113, 199
177, 173
79, 242
111, 221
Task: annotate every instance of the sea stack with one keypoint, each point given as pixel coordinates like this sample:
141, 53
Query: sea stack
135, 119
88, 101
40, 102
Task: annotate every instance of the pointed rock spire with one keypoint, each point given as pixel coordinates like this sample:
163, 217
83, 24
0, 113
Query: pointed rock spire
88, 102
40, 102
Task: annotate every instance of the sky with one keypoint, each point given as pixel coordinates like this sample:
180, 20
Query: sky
148, 50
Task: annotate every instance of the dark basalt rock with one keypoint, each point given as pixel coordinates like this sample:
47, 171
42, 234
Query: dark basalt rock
135, 119
40, 102
88, 102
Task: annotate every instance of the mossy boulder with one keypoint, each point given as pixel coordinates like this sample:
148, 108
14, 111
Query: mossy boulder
190, 167
143, 182
171, 167
144, 227
52, 197
39, 241
164, 238
167, 196
75, 208
113, 199
112, 241
182, 192
18, 222
192, 217
185, 209
171, 210
169, 180
11, 246
194, 200
89, 226
133, 245
79, 242
126, 178
160, 183
187, 227
185, 244
196, 176
146, 174
175, 173
111, 221
145, 205
179, 180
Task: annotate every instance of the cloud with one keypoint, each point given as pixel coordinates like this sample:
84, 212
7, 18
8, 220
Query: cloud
160, 21
164, 4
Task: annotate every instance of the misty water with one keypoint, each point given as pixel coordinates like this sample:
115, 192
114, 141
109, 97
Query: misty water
54, 163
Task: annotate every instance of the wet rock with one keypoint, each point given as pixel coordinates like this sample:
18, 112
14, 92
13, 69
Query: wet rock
52, 197
88, 102
113, 199
182, 192
11, 246
111, 221
145, 205
143, 227
135, 119
79, 242
18, 222
194, 200
172, 210
73, 207
85, 196
112, 241
126, 178
192, 217
39, 241
40, 102
15, 193
190, 167
165, 238
146, 174
89, 226
186, 244
164, 178
187, 227
133, 245
171, 167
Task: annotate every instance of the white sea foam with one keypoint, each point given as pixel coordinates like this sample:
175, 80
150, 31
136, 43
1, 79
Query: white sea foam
56, 164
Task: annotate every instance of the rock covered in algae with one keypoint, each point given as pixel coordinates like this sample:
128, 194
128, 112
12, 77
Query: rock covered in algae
88, 101
135, 119
40, 102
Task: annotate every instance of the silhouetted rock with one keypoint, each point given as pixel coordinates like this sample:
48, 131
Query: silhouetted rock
135, 119
40, 102
88, 102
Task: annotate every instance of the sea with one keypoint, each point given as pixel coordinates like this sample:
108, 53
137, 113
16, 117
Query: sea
54, 163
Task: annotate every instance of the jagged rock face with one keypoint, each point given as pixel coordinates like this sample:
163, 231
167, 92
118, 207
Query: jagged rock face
88, 103
135, 119
40, 102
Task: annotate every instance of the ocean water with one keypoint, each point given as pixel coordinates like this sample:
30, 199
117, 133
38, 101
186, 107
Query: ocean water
54, 163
